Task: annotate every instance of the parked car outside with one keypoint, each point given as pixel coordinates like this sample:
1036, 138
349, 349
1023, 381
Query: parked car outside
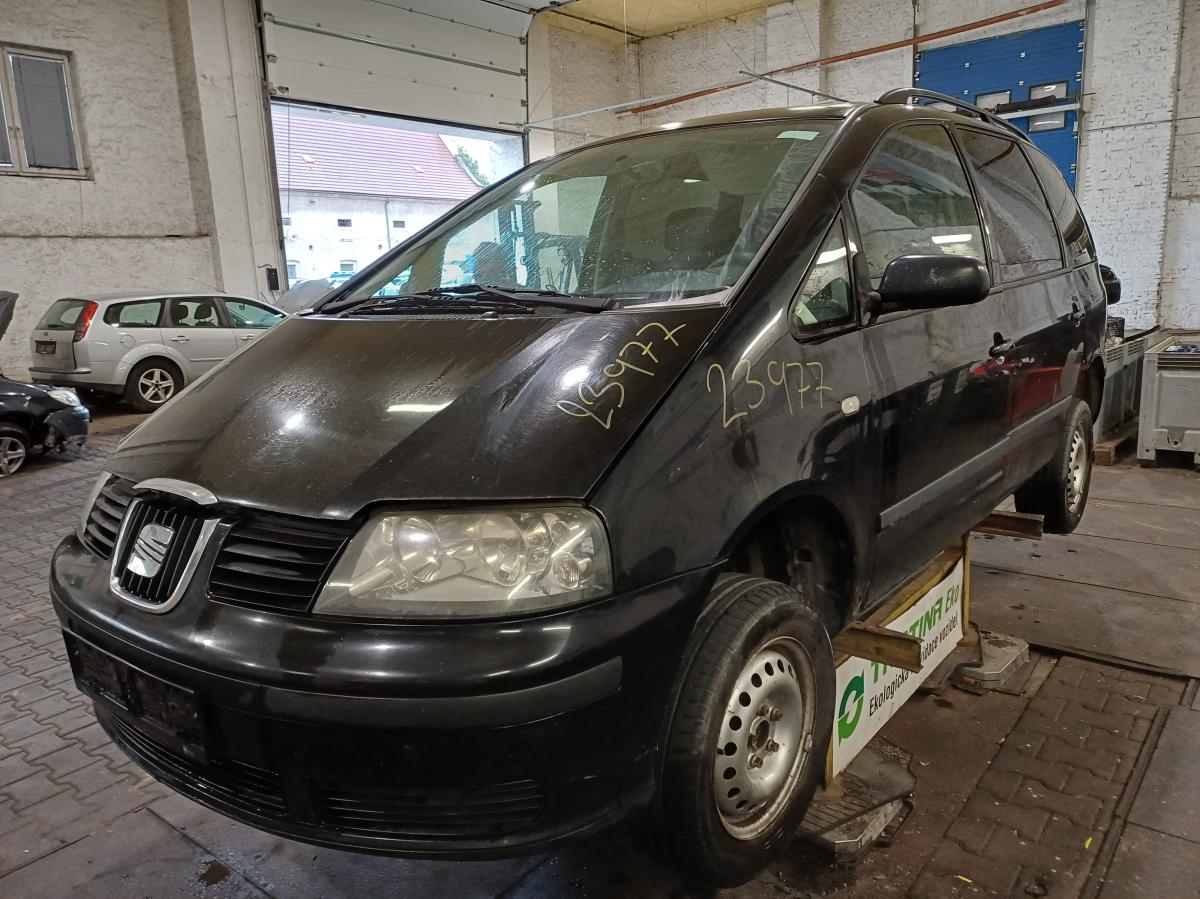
144, 346
33, 417
480, 568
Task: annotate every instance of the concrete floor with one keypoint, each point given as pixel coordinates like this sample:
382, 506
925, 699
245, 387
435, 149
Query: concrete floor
1077, 783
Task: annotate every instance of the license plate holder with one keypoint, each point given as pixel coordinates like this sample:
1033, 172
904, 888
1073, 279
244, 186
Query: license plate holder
172, 712
45, 347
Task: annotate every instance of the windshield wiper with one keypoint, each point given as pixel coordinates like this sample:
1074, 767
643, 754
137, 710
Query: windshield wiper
526, 295
473, 298
431, 302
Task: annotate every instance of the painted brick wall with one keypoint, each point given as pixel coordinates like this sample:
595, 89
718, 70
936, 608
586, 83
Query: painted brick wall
1179, 304
850, 25
1129, 83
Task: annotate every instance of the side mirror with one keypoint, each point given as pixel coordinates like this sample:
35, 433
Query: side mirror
928, 282
1112, 284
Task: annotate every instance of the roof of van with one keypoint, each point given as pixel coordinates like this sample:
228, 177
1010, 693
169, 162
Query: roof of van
840, 110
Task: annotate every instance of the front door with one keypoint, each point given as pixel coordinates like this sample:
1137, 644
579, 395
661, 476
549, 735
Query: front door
939, 401
194, 326
249, 319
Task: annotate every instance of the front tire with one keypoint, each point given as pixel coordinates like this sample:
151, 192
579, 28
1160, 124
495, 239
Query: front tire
152, 384
748, 740
1059, 490
14, 448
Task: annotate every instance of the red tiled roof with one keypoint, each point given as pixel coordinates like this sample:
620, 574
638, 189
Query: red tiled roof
354, 157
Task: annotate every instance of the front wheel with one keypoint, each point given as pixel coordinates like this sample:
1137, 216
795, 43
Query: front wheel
750, 732
1059, 490
14, 448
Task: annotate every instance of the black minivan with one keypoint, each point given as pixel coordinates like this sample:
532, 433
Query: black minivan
563, 530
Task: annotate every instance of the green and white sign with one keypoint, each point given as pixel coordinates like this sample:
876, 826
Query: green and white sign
869, 693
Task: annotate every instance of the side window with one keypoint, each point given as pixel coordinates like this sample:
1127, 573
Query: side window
824, 297
250, 315
1023, 235
1064, 208
913, 199
134, 315
198, 312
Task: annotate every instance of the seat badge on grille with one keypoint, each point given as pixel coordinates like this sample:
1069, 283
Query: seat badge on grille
149, 550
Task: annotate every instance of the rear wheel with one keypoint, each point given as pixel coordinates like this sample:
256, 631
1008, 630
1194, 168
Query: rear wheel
1059, 490
14, 448
748, 739
152, 384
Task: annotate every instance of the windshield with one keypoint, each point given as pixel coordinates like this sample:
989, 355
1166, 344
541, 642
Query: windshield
661, 217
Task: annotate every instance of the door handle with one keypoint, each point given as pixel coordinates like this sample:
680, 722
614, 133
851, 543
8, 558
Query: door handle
247, 337
180, 339
1001, 347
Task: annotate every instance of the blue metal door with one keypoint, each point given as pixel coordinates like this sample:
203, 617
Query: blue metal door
999, 73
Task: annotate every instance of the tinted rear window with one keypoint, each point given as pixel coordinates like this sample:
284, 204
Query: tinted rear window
62, 316
1024, 235
1066, 210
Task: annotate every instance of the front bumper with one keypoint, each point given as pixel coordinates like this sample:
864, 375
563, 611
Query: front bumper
67, 428
435, 740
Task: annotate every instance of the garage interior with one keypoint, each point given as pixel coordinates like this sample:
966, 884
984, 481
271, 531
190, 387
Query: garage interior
272, 149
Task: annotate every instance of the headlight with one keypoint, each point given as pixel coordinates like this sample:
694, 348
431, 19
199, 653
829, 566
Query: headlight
407, 565
67, 397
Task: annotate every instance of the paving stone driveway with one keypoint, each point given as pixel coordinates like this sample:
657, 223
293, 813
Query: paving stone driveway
60, 777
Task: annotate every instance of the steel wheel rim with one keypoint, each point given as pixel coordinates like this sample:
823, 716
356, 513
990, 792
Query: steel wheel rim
1077, 468
765, 738
12, 455
156, 386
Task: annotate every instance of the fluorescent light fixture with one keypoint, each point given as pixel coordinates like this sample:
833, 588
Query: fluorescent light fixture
951, 238
671, 126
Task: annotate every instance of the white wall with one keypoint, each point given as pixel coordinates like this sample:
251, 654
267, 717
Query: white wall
1129, 80
1180, 306
156, 82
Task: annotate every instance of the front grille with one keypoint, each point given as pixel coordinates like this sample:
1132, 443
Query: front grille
432, 813
227, 781
104, 518
185, 527
276, 561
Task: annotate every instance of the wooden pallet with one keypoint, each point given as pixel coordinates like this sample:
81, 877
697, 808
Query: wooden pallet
1107, 450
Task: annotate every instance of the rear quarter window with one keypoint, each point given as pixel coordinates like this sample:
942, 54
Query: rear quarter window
62, 315
1024, 236
1065, 209
134, 315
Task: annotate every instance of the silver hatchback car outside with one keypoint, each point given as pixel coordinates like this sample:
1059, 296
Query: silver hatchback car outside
147, 346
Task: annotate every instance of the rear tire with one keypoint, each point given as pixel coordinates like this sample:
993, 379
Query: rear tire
748, 738
1059, 490
14, 448
152, 384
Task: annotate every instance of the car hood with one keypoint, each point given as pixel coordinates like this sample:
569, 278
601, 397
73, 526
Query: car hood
324, 416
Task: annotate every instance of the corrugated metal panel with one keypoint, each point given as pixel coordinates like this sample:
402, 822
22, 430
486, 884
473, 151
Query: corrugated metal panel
446, 60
